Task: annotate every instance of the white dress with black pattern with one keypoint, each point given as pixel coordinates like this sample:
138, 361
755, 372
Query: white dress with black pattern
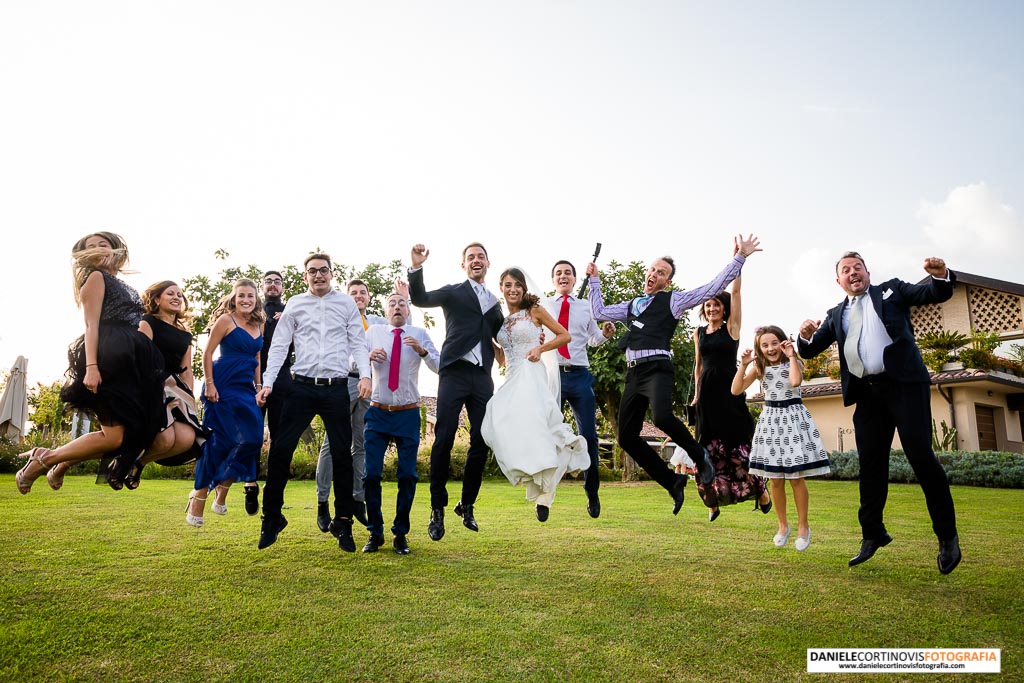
787, 443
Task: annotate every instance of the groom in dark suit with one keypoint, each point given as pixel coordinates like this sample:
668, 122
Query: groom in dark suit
883, 374
472, 318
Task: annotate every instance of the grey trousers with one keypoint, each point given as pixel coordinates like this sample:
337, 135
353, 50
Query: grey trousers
324, 469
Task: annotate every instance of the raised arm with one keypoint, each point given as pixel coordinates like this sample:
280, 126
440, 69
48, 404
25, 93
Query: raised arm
735, 309
745, 375
796, 368
611, 312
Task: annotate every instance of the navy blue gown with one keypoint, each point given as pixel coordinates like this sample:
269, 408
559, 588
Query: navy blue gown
236, 422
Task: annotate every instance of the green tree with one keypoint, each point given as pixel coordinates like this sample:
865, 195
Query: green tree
47, 409
608, 363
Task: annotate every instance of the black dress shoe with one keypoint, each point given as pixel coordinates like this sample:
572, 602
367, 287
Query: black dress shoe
373, 544
436, 527
542, 513
401, 545
252, 499
269, 531
323, 516
705, 470
677, 492
360, 513
593, 505
949, 555
341, 529
466, 512
868, 547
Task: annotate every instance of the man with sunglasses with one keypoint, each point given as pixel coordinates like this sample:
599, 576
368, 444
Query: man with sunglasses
325, 327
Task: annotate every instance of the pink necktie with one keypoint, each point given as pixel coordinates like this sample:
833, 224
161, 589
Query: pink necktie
563, 320
396, 356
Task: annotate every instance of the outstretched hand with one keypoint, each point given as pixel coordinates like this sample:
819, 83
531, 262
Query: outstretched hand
788, 348
936, 267
402, 287
591, 269
419, 255
747, 358
746, 247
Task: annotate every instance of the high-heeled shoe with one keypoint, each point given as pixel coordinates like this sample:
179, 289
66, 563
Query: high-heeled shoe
55, 475
134, 476
194, 520
217, 507
115, 473
24, 479
765, 508
713, 514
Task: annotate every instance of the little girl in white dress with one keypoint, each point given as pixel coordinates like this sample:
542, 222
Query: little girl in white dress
787, 444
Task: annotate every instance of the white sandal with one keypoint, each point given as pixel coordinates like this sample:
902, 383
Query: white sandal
217, 507
193, 520
22, 478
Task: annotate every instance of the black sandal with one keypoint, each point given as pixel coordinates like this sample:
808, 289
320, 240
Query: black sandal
134, 476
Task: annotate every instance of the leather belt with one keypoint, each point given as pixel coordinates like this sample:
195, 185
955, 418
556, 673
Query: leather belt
572, 368
784, 404
320, 381
648, 359
393, 409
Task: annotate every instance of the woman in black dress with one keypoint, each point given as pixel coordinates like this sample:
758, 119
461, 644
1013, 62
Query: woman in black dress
115, 371
182, 436
724, 425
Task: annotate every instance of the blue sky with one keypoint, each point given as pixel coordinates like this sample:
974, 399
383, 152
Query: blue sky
268, 129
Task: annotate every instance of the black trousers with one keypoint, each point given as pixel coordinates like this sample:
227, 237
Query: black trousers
274, 406
882, 409
650, 384
460, 384
304, 402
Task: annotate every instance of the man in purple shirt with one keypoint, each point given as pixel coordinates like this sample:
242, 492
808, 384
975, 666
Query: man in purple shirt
651, 320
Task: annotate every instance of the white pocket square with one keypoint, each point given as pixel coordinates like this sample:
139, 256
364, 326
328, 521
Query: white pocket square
886, 294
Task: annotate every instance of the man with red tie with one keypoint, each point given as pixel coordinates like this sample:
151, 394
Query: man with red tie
574, 366
396, 351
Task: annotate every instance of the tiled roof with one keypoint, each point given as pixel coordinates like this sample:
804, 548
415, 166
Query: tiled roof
986, 282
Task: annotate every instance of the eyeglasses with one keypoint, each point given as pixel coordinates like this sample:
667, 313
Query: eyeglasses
273, 281
323, 270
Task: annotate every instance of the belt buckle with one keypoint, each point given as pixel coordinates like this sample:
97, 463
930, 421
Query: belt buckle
631, 363
322, 381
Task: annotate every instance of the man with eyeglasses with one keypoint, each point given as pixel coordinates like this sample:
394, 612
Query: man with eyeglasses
360, 293
273, 304
327, 332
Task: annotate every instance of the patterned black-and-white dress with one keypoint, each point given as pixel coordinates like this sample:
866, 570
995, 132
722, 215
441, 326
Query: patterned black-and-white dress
787, 443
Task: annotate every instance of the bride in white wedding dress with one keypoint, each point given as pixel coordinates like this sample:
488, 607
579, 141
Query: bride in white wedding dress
523, 425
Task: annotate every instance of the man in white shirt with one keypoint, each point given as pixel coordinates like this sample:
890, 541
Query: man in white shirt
360, 293
324, 326
396, 351
577, 383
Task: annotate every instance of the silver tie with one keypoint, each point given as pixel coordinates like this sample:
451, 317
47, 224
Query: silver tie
481, 294
855, 323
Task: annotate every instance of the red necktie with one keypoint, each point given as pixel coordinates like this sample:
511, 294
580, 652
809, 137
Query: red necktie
563, 320
396, 355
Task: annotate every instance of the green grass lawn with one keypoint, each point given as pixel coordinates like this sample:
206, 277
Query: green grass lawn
97, 585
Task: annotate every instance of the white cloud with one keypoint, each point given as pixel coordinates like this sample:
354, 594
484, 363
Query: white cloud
973, 224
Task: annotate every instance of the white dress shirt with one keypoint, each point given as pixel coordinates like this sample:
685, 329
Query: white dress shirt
487, 300
582, 327
369, 319
383, 337
325, 330
873, 337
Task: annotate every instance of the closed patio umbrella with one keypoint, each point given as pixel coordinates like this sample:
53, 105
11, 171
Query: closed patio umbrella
14, 402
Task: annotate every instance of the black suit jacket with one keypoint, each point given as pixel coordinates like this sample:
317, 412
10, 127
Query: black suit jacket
892, 301
465, 325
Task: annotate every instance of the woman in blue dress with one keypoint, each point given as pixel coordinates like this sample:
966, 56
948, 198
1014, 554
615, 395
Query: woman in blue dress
229, 400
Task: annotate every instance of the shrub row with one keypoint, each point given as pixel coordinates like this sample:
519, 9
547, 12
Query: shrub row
986, 468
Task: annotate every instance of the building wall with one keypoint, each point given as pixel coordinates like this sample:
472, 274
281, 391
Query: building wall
832, 417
